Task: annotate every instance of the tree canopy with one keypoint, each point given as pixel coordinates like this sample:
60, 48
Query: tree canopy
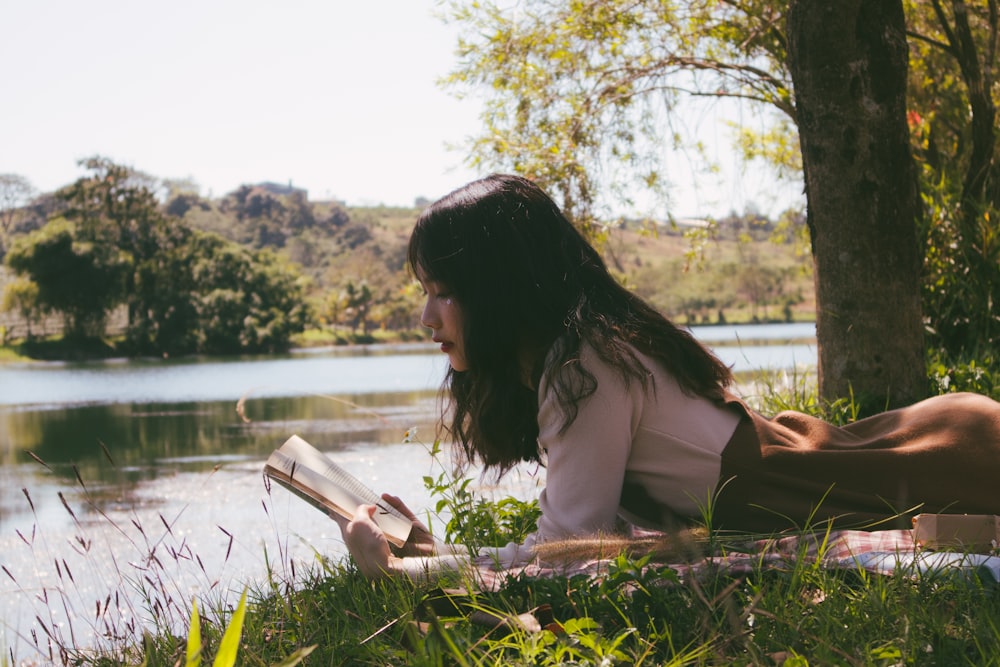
582, 96
79, 277
15, 192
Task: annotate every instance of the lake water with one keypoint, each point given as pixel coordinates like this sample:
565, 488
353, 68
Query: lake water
143, 485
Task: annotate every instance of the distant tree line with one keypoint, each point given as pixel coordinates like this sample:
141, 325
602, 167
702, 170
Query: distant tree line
106, 242
744, 266
249, 270
242, 273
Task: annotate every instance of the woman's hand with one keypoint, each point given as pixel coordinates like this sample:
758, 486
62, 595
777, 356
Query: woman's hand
367, 544
420, 542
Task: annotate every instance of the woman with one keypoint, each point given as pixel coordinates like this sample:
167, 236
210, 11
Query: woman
552, 360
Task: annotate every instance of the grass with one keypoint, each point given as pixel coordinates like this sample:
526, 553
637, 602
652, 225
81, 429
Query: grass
331, 336
9, 354
640, 612
56, 347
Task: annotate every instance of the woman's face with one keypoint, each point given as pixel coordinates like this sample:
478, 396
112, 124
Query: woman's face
443, 316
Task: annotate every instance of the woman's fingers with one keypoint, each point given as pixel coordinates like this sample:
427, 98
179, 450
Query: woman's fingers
400, 505
420, 542
367, 543
418, 525
341, 521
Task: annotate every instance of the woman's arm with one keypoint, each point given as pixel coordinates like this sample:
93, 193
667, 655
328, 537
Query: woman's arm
586, 463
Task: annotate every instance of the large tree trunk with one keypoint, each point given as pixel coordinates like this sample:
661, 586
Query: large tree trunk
848, 61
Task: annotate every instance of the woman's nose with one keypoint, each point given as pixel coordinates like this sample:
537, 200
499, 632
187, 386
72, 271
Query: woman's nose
428, 317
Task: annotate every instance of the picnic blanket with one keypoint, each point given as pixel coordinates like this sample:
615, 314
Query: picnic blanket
882, 552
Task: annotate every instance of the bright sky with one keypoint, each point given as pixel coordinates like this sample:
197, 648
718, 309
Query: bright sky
336, 96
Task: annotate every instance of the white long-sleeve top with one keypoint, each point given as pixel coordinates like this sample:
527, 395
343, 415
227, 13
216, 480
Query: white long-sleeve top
659, 439
658, 445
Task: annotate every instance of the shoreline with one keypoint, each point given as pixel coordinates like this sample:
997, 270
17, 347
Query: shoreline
54, 349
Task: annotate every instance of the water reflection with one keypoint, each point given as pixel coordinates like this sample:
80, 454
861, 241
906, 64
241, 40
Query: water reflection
104, 454
135, 435
115, 425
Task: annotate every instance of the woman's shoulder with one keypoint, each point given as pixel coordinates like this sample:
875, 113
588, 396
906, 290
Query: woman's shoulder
580, 368
567, 357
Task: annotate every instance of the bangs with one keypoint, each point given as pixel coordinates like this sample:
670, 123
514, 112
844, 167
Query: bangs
417, 259
434, 254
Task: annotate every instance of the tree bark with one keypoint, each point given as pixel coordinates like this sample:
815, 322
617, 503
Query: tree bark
848, 61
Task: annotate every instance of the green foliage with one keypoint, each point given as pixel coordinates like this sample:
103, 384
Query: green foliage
353, 258
777, 146
961, 286
639, 611
21, 296
353, 282
193, 653
980, 377
230, 644
75, 273
242, 300
953, 96
333, 615
583, 96
799, 393
475, 521
580, 89
950, 77
723, 277
15, 192
354, 304
271, 216
638, 614
945, 375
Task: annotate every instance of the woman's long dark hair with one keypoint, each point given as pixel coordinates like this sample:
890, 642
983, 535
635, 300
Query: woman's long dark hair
526, 278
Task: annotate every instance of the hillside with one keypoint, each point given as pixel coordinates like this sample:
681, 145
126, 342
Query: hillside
353, 260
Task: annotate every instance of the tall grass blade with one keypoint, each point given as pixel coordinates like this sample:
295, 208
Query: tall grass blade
230, 644
193, 654
296, 657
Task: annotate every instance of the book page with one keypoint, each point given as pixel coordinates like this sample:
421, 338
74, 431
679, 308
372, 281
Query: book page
314, 477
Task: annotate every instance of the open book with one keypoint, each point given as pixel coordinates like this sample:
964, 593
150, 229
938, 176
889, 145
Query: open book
314, 477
